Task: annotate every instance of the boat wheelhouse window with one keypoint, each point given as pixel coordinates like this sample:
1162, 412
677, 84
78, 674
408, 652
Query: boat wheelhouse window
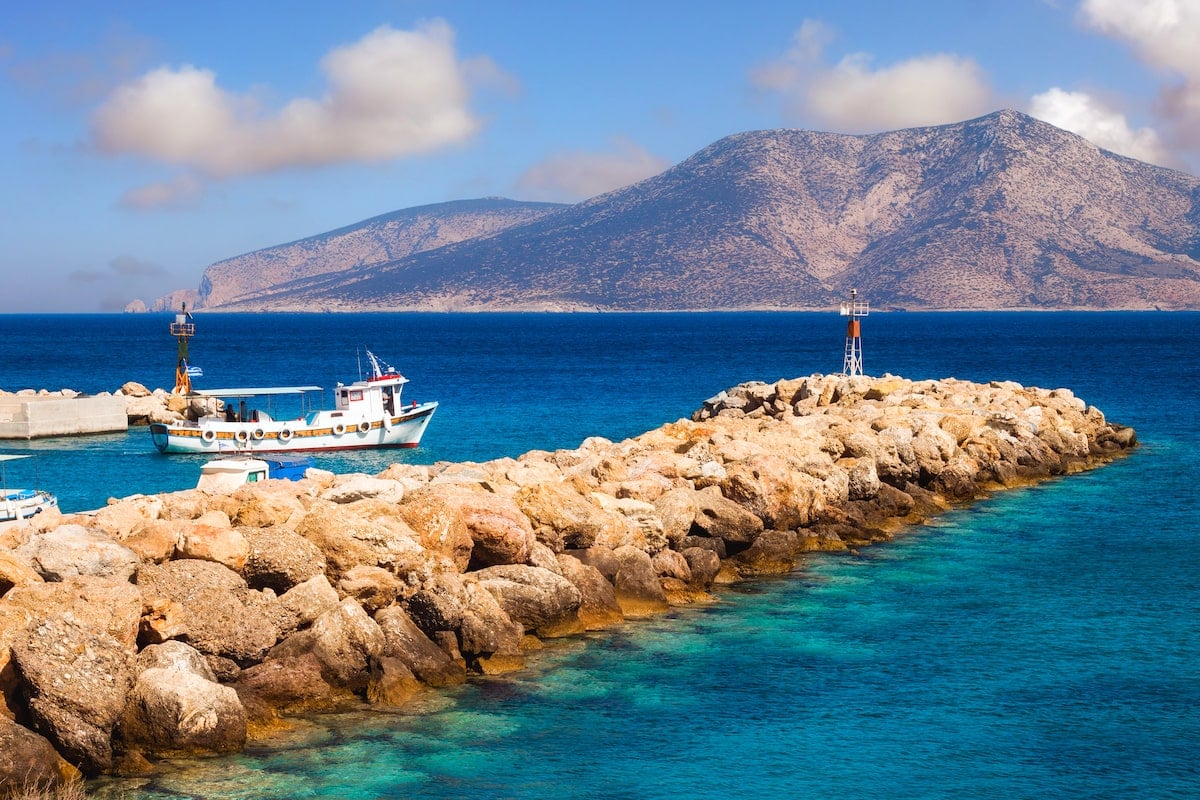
356, 394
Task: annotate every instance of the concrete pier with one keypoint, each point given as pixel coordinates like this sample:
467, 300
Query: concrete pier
32, 416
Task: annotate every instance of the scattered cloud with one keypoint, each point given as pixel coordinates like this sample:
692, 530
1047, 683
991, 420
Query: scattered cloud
854, 96
577, 175
87, 276
73, 78
181, 192
121, 269
392, 93
1106, 127
128, 265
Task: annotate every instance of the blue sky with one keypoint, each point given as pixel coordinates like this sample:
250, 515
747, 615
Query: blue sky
143, 141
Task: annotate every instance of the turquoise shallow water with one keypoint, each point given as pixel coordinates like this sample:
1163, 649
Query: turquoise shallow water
1039, 644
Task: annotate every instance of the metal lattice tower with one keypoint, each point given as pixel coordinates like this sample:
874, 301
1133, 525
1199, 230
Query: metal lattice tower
183, 329
855, 309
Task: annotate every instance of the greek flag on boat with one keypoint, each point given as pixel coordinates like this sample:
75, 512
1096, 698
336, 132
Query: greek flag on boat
195, 372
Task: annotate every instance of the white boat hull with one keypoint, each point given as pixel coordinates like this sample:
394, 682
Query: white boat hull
322, 432
19, 505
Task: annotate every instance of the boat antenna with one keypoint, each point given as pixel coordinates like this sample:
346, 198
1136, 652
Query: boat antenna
376, 369
855, 309
183, 329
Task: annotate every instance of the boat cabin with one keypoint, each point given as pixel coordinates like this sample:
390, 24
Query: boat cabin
372, 398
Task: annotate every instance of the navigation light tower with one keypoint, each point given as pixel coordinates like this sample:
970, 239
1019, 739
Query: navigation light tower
855, 309
183, 329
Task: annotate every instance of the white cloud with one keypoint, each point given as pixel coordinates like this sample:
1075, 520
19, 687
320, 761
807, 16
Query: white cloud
1162, 34
1085, 115
179, 192
851, 96
578, 175
390, 94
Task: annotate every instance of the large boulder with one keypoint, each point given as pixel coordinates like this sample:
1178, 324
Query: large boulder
279, 559
352, 488
287, 683
15, 571
153, 540
772, 553
404, 641
636, 523
562, 518
540, 600
487, 635
598, 606
218, 543
72, 550
677, 510
771, 490
499, 531
76, 680
307, 601
438, 605
720, 518
29, 763
177, 707
366, 532
436, 515
373, 587
120, 517
344, 641
392, 683
113, 608
273, 505
638, 589
218, 613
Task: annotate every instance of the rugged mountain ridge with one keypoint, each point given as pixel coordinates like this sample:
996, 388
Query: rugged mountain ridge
1003, 211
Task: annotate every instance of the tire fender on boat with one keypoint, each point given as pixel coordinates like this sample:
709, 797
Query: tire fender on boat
241, 436
364, 426
285, 435
339, 429
208, 435
258, 434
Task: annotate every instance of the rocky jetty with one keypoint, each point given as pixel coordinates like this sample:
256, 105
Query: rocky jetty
142, 406
189, 623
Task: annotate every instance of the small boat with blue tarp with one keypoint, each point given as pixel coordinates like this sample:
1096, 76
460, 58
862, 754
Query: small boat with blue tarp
223, 475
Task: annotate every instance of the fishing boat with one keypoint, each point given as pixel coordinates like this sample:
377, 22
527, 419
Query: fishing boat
223, 475
366, 413
20, 505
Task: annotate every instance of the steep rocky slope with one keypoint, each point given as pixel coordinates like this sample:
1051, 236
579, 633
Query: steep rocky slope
362, 246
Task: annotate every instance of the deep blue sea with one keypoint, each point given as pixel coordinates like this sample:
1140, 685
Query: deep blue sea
1044, 643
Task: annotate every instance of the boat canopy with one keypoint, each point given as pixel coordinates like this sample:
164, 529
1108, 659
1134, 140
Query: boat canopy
256, 391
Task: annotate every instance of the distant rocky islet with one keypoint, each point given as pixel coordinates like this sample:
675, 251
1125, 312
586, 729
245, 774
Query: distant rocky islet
189, 623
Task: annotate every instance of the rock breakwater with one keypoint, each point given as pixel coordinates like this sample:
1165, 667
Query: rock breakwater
191, 622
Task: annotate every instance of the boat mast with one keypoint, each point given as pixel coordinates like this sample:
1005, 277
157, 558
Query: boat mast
855, 309
183, 329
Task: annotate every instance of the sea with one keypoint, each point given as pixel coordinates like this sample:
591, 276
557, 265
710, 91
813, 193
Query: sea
1041, 643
